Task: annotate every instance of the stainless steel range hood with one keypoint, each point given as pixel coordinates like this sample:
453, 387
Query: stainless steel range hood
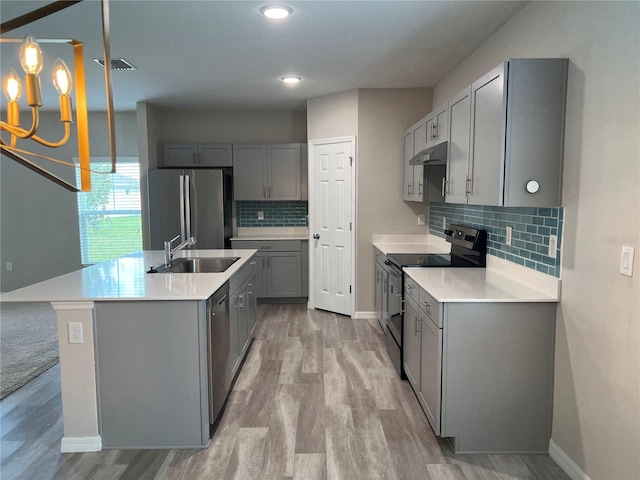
434, 155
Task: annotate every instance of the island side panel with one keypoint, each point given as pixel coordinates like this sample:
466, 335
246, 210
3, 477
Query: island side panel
78, 379
150, 364
498, 376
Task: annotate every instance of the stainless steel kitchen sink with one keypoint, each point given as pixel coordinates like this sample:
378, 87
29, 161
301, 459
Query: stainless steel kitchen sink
197, 265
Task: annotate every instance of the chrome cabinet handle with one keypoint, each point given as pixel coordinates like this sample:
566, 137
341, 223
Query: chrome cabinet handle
264, 192
444, 186
409, 189
269, 190
416, 317
468, 186
240, 298
419, 188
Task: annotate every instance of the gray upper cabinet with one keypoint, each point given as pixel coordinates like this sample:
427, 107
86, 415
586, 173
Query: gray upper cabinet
191, 155
415, 139
436, 126
269, 172
407, 176
512, 153
249, 172
458, 147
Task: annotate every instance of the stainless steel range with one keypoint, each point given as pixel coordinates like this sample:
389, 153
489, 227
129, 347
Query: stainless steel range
468, 250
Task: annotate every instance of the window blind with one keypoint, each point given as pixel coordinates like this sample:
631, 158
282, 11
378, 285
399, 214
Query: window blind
109, 215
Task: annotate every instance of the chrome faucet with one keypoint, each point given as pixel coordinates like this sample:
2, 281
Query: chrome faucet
168, 251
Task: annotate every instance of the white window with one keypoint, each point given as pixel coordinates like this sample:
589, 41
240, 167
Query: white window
110, 214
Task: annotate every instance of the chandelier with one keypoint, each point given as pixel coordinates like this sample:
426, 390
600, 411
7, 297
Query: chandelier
31, 60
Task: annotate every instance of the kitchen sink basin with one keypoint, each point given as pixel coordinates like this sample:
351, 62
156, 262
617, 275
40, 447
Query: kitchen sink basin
197, 265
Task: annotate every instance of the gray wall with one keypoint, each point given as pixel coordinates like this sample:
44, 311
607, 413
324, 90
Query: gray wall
378, 118
597, 367
38, 219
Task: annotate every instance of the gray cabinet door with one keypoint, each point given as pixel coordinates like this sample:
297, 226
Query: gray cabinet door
378, 291
441, 124
407, 176
411, 343
249, 172
252, 305
283, 174
260, 283
419, 143
284, 271
488, 114
180, 155
458, 147
243, 322
215, 155
235, 302
430, 371
535, 131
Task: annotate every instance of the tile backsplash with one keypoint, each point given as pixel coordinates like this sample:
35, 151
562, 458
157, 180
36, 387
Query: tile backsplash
276, 214
530, 236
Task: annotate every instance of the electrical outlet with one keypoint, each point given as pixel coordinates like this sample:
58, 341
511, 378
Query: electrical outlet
444, 222
74, 329
421, 219
553, 245
509, 234
9, 267
260, 215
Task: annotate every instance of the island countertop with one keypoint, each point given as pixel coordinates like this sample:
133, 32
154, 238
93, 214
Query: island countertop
125, 278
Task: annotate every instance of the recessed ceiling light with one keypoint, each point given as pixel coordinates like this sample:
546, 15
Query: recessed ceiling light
276, 12
291, 79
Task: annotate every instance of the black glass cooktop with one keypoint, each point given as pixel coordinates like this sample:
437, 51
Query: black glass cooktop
428, 260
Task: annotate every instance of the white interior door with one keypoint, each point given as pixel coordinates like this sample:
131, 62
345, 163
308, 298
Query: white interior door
332, 226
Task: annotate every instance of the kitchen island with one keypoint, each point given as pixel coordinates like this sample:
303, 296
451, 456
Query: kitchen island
134, 373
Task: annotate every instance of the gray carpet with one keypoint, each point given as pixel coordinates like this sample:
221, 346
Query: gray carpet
28, 341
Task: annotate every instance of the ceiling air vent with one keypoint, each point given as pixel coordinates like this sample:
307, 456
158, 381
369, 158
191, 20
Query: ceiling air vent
119, 64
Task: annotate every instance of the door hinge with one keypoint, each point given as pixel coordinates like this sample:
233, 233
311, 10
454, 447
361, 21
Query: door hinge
349, 288
350, 226
351, 161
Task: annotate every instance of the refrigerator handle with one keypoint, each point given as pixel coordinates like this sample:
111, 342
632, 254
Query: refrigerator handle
183, 231
187, 206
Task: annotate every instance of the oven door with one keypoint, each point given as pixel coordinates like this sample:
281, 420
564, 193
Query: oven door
394, 302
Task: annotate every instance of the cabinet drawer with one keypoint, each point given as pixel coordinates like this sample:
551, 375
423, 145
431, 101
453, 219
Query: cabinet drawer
411, 289
268, 245
431, 307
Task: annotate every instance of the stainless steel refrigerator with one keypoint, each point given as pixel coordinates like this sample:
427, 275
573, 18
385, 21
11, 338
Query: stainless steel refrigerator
192, 203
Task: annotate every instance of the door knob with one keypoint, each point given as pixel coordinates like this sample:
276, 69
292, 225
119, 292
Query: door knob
316, 236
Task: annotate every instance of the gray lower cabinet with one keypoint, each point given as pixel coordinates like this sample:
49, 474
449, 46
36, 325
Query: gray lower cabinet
482, 372
152, 366
411, 343
281, 267
152, 374
242, 312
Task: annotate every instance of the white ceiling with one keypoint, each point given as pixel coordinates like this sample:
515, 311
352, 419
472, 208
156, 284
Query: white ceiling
226, 55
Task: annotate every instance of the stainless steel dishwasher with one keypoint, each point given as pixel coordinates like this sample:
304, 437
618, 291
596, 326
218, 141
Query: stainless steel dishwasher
218, 343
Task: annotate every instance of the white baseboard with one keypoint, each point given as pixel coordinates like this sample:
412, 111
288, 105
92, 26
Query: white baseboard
80, 444
565, 462
364, 315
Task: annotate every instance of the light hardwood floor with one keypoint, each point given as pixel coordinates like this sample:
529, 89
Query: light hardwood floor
317, 398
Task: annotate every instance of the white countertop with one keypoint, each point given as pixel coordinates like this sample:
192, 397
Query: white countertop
272, 233
474, 285
410, 244
125, 278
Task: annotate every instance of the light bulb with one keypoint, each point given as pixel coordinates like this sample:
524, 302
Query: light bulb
291, 79
30, 55
61, 77
12, 86
276, 12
